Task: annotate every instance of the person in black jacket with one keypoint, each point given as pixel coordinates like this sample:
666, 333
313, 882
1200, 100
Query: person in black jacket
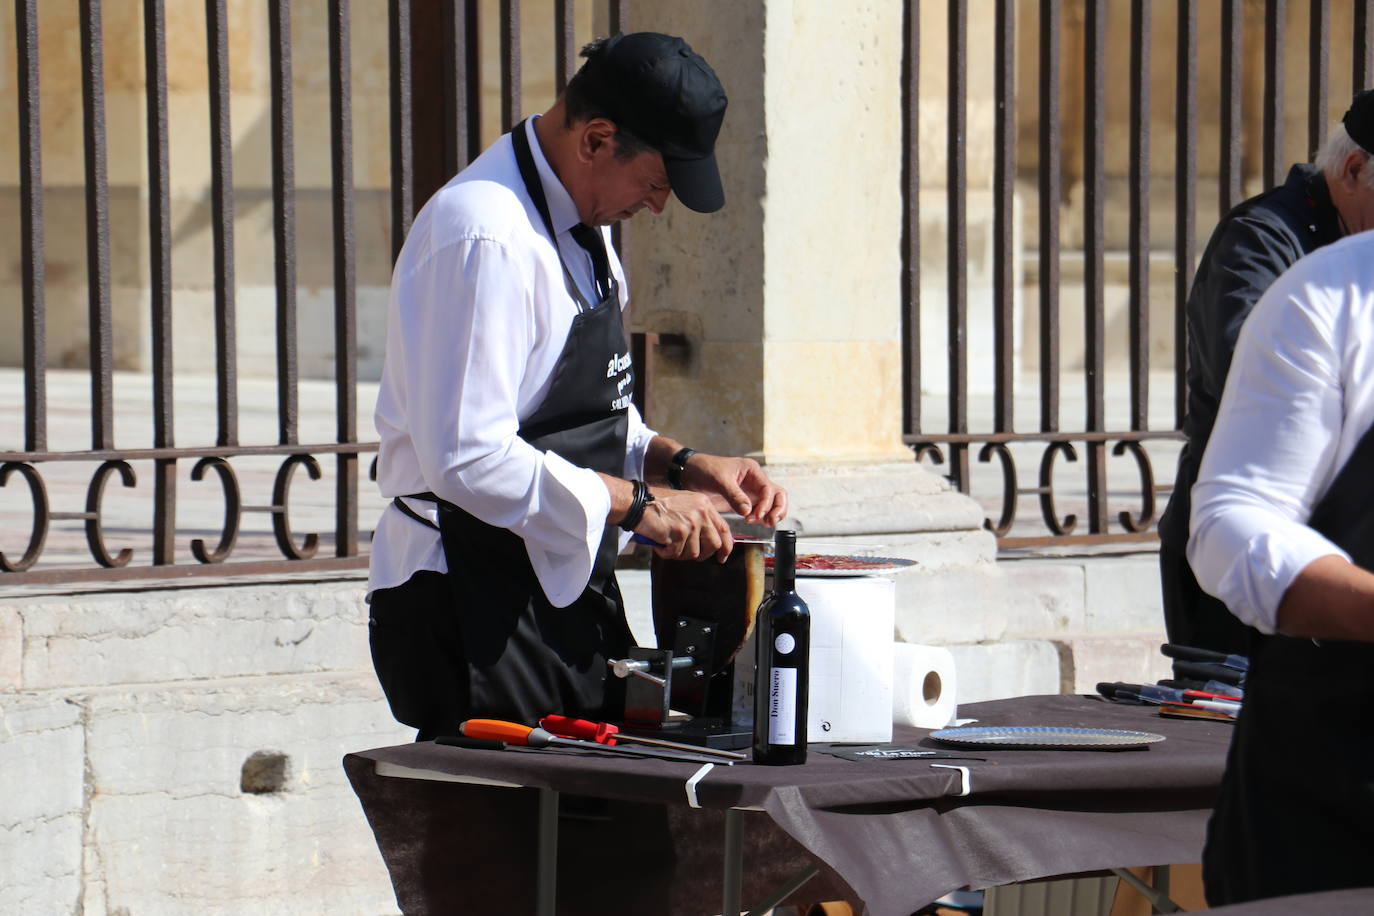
1251, 246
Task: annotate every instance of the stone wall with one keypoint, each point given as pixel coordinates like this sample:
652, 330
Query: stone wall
177, 750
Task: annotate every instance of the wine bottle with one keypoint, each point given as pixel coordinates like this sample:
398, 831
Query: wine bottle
782, 655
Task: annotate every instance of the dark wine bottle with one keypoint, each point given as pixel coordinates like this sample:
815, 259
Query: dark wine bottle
782, 656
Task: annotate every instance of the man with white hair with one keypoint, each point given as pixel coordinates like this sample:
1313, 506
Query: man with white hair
1251, 246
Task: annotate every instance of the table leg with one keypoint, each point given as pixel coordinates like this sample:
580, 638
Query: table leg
1161, 882
1159, 901
785, 890
734, 862
546, 882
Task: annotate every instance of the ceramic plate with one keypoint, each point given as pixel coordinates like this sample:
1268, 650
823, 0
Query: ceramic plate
1036, 737
861, 566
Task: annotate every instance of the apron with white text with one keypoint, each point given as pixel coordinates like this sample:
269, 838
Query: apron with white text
525, 657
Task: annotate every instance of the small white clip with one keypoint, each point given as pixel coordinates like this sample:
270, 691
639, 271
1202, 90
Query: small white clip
692, 784
964, 787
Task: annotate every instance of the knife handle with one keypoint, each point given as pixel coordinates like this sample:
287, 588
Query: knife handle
498, 730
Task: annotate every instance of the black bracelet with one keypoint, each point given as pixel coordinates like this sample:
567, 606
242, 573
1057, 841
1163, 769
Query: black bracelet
638, 503
677, 465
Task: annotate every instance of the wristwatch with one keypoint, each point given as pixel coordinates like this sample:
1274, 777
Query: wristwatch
677, 465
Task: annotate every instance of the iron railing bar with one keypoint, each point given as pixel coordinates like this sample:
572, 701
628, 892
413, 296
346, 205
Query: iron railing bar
222, 220
160, 277
1003, 241
1185, 194
1050, 193
284, 218
473, 85
510, 63
618, 20
564, 44
345, 274
1083, 540
1140, 215
207, 451
1275, 24
230, 569
957, 264
1318, 48
97, 226
1232, 123
31, 226
461, 85
402, 123
911, 219
1124, 435
1094, 127
1362, 55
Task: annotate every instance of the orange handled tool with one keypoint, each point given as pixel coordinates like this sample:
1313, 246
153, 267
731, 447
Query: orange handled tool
606, 733
515, 733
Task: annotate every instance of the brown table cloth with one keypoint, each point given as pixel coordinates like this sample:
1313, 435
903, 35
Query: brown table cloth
894, 834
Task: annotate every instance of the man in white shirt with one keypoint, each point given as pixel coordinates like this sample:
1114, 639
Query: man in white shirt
1283, 533
517, 464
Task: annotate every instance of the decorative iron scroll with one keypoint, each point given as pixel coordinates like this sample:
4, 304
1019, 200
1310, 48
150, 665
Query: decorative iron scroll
1057, 451
233, 510
95, 538
39, 532
281, 527
297, 551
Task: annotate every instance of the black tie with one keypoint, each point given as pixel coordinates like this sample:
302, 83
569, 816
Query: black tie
591, 240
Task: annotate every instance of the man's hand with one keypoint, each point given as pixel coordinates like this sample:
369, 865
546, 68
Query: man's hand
739, 485
686, 526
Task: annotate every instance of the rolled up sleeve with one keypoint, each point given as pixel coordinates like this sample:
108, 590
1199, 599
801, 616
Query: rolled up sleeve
1272, 454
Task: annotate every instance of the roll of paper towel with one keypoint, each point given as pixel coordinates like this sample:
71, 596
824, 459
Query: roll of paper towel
922, 685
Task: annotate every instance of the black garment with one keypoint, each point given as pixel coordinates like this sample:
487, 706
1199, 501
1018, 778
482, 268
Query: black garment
1208, 623
507, 653
1296, 810
591, 240
1257, 241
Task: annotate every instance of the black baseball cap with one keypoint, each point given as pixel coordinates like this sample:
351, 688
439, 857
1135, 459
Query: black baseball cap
1359, 120
657, 88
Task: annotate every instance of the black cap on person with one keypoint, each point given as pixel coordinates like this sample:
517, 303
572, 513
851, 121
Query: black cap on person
1359, 120
659, 89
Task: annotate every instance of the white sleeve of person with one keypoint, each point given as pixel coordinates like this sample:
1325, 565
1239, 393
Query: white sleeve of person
1298, 398
478, 356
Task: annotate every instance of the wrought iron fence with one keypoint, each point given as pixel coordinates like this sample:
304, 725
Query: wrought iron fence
989, 426
435, 112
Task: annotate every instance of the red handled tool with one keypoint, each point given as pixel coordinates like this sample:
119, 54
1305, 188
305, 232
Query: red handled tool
524, 735
608, 734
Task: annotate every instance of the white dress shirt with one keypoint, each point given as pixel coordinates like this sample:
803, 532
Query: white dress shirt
1298, 399
478, 317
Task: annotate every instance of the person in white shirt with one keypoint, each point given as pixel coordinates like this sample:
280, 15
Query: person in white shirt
1283, 533
517, 463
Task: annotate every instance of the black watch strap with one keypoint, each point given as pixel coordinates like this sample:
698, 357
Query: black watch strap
677, 465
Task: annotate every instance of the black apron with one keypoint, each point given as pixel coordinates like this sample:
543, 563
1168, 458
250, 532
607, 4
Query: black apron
526, 658
1296, 808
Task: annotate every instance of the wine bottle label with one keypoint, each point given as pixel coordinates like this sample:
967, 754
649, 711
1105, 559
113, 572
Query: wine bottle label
785, 643
782, 706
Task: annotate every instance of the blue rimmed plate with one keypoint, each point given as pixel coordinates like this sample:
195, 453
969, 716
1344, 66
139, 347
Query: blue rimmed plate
1044, 737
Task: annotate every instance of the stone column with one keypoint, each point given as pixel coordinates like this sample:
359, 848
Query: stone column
782, 311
